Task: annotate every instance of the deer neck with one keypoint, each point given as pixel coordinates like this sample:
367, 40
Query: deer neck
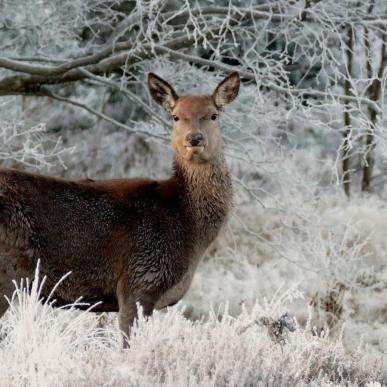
205, 194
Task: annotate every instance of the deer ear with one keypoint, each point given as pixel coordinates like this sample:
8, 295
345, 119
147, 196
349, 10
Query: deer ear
227, 90
162, 92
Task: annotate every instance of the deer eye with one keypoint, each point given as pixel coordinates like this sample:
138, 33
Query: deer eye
214, 117
175, 118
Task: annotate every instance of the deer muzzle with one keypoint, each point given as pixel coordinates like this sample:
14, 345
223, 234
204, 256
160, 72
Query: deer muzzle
194, 142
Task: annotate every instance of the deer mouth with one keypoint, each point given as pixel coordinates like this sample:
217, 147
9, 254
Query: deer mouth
195, 148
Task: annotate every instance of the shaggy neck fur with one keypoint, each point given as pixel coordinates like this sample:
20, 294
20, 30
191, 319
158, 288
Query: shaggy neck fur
206, 194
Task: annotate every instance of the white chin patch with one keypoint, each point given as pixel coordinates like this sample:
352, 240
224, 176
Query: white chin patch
193, 151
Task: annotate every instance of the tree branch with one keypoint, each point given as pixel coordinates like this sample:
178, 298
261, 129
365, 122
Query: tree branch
266, 12
45, 75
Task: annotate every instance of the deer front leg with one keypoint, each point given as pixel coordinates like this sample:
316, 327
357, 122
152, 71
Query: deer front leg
13, 267
126, 315
4, 291
3, 303
127, 307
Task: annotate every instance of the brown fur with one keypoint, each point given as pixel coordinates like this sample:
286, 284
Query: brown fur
124, 240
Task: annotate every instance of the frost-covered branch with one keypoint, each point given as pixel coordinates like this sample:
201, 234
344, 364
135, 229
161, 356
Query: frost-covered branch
29, 146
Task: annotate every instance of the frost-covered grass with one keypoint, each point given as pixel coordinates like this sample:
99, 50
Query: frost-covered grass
42, 346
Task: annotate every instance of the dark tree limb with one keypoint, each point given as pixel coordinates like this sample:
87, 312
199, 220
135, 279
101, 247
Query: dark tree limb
50, 75
346, 148
374, 93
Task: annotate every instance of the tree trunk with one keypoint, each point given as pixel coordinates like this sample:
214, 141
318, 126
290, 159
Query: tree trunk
345, 156
374, 93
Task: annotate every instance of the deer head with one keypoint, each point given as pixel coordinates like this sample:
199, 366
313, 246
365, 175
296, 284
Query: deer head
196, 134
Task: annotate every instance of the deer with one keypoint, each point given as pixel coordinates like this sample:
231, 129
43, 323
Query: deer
126, 242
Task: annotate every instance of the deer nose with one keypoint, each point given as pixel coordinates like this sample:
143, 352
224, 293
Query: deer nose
195, 139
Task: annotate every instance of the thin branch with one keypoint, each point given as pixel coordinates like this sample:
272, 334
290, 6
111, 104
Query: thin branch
266, 13
47, 93
217, 10
130, 95
38, 59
